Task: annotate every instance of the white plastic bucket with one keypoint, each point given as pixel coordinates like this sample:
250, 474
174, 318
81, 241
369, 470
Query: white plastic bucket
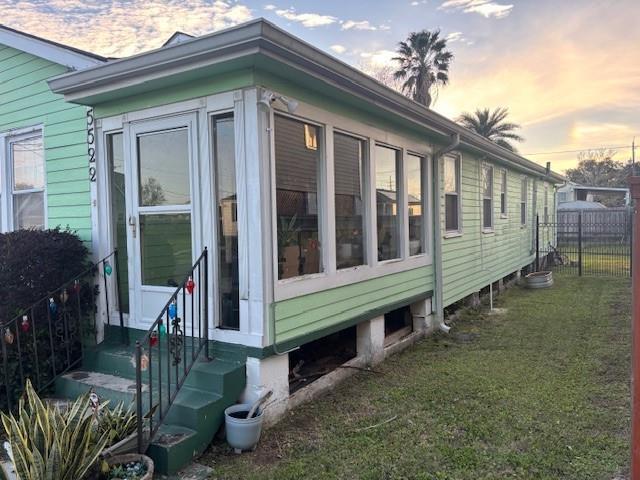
242, 433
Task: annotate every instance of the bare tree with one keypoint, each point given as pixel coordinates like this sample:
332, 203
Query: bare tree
385, 74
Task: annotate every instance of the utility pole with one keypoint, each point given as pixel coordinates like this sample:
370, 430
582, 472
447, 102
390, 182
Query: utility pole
633, 156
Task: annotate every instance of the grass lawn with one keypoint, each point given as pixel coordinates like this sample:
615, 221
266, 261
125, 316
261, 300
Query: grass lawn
540, 392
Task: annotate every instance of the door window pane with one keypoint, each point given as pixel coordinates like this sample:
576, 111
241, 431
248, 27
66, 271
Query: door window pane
165, 244
28, 210
348, 163
297, 158
387, 180
164, 168
415, 192
115, 159
225, 167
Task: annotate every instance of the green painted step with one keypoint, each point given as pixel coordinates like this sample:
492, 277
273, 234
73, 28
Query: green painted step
196, 414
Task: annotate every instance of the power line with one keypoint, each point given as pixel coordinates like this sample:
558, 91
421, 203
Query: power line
579, 150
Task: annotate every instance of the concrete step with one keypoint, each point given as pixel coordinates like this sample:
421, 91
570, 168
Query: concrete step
195, 415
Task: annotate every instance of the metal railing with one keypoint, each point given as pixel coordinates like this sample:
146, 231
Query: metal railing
583, 244
165, 354
46, 339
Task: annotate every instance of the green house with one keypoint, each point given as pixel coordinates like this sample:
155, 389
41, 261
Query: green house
331, 208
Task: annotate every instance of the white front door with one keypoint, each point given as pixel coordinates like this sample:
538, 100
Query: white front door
162, 211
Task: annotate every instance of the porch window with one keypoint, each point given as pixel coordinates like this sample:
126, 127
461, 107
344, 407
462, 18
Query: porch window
452, 194
26, 164
503, 193
298, 160
115, 160
416, 193
348, 154
487, 197
226, 195
388, 179
523, 202
165, 207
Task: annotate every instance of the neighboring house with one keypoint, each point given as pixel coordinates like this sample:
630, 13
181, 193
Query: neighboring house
325, 199
43, 139
572, 192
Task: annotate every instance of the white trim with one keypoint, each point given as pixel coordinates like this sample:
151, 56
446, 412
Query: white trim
49, 51
331, 278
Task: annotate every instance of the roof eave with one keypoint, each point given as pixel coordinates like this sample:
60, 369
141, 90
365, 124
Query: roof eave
64, 55
262, 37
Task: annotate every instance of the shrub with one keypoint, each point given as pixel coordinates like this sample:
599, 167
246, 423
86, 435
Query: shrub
33, 266
34, 263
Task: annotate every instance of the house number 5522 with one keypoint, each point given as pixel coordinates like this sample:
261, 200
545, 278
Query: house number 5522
91, 145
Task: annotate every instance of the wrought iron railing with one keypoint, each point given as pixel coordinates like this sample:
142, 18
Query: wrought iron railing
586, 243
46, 339
165, 354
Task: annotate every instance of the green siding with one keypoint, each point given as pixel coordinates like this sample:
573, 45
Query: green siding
177, 93
25, 101
298, 317
475, 259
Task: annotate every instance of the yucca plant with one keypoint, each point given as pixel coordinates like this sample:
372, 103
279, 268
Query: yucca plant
117, 423
50, 444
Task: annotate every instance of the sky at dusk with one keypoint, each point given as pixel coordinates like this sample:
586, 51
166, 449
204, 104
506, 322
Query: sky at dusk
568, 70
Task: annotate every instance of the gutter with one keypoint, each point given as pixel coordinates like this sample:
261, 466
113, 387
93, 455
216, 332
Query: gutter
437, 232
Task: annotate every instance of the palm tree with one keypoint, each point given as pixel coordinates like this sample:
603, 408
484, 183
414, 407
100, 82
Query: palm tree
492, 125
424, 65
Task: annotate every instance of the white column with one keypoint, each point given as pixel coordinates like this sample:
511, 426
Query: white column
264, 374
422, 314
370, 340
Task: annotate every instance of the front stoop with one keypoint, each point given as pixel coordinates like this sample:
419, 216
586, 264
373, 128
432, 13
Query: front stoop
196, 414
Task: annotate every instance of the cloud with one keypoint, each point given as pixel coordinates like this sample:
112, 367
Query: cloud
116, 27
358, 25
458, 37
270, 7
339, 49
486, 8
379, 57
310, 20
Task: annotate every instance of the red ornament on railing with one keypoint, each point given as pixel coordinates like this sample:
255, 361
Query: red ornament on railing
153, 339
190, 285
76, 286
24, 325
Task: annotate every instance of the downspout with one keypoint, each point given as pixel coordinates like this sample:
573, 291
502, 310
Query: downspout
437, 231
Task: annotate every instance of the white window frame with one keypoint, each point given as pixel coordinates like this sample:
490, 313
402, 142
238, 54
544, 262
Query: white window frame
6, 175
331, 277
491, 170
426, 194
504, 181
365, 191
458, 231
524, 200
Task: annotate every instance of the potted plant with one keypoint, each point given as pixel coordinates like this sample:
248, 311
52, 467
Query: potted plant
288, 250
131, 466
120, 425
